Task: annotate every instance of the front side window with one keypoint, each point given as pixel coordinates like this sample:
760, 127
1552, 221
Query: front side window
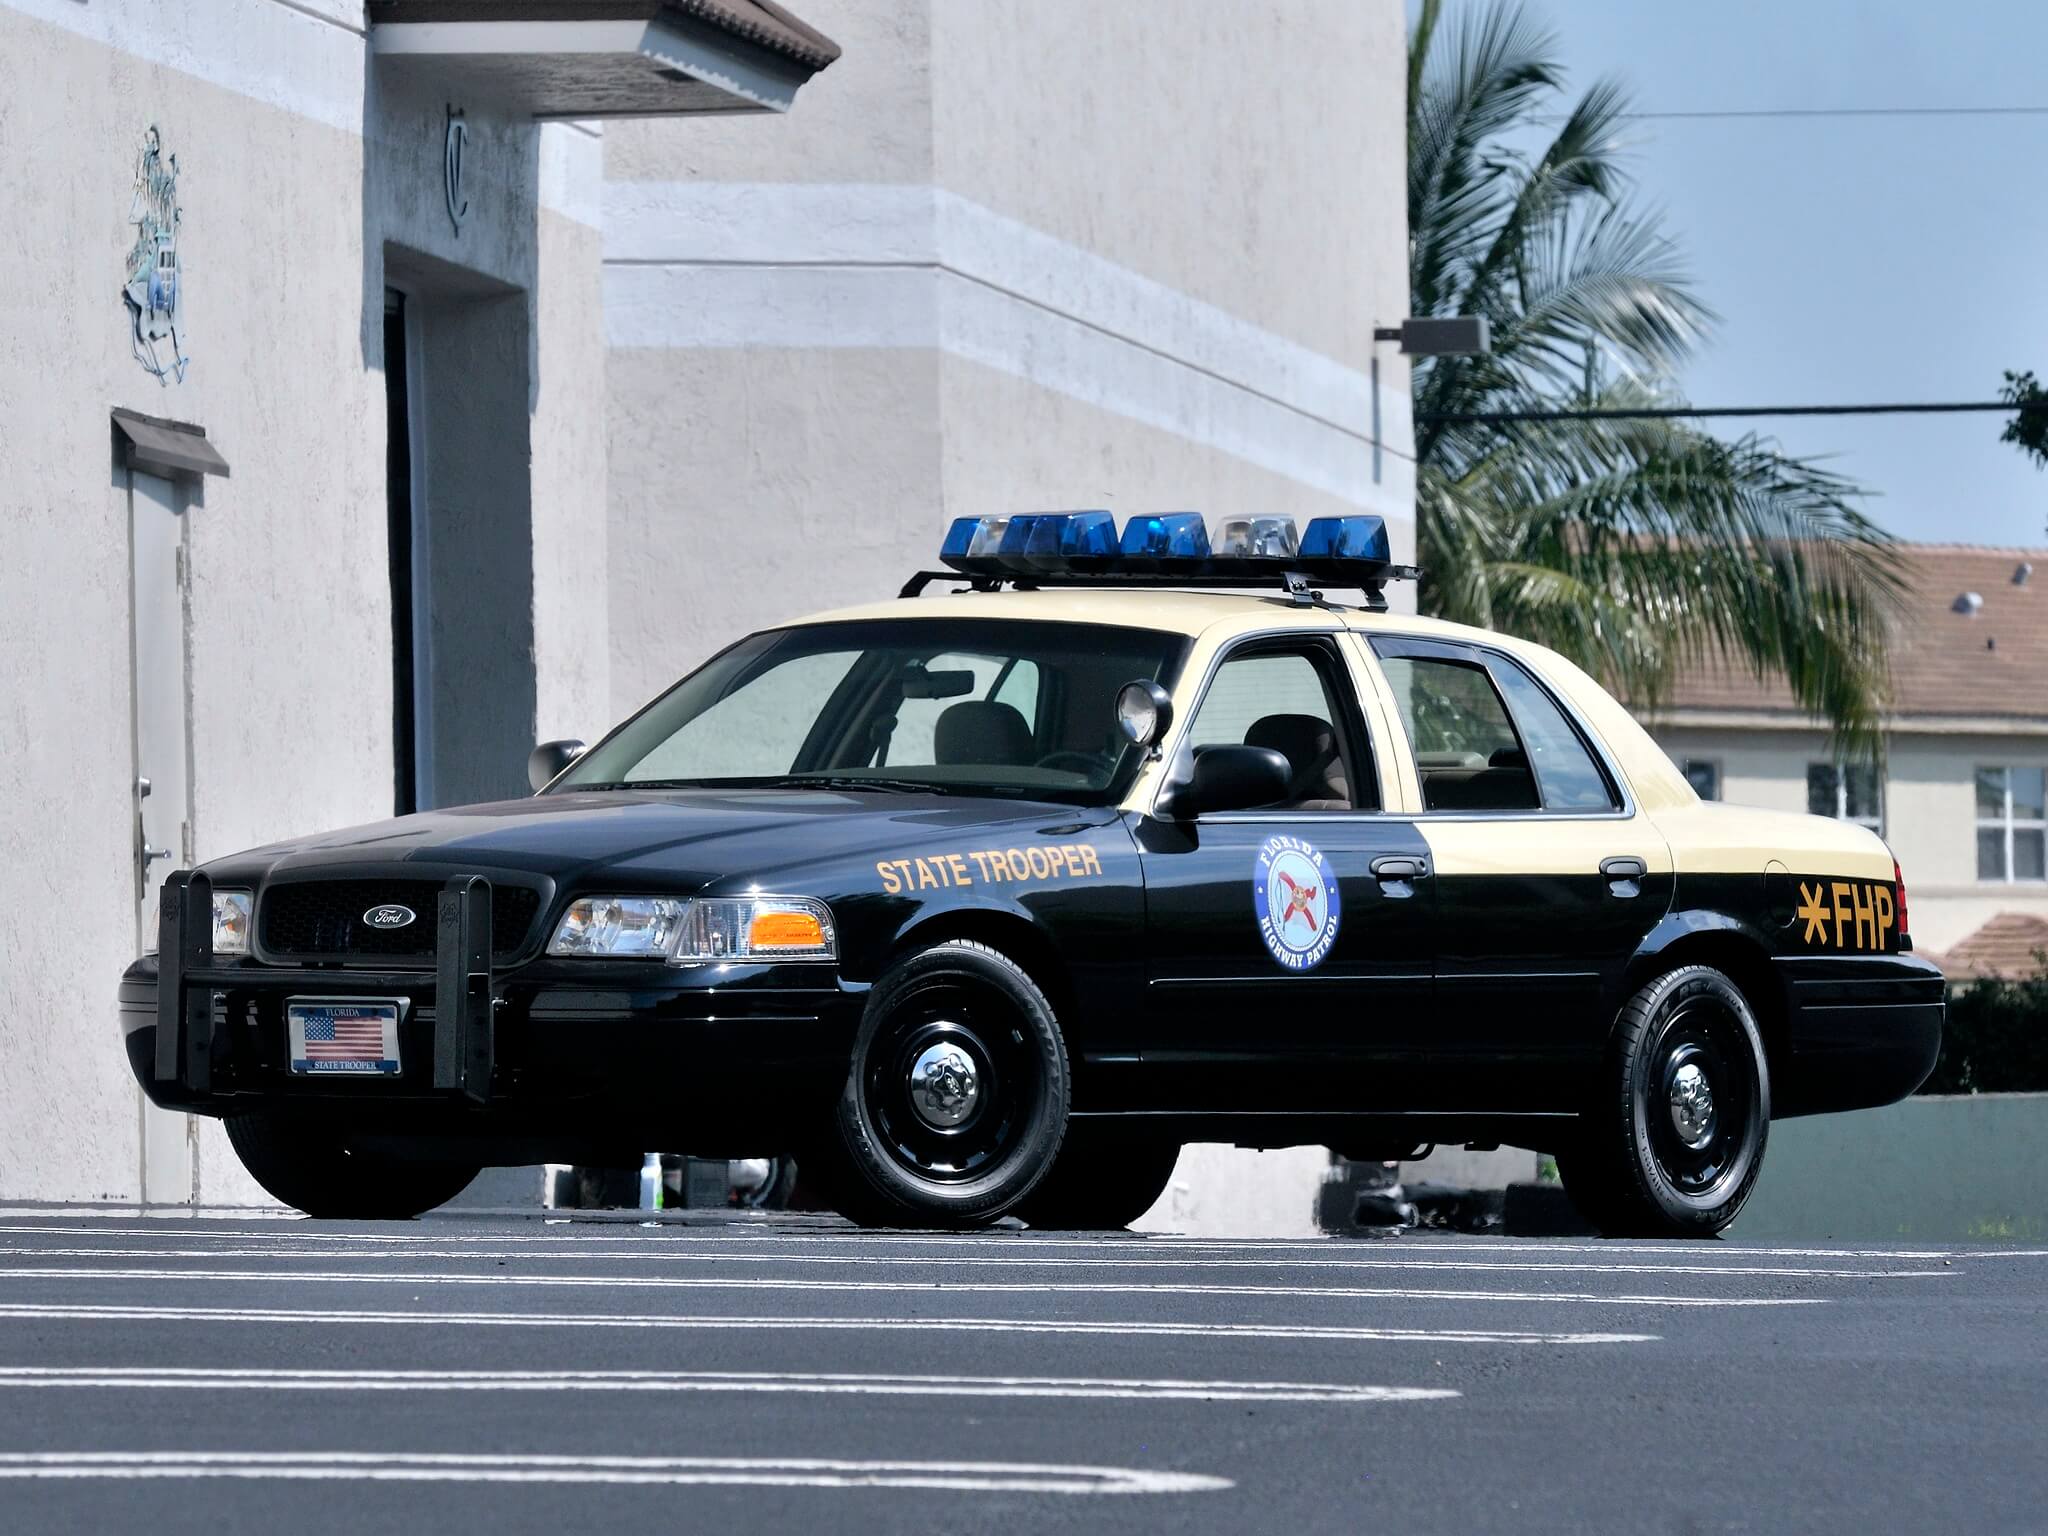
987, 706
1288, 700
1845, 792
2012, 823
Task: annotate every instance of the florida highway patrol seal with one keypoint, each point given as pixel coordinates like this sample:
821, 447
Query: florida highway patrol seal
1294, 893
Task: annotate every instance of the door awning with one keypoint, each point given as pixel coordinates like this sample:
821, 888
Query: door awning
604, 58
173, 449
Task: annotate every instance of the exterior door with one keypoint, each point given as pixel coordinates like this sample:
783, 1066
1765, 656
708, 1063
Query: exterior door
162, 838
1547, 876
1289, 946
162, 833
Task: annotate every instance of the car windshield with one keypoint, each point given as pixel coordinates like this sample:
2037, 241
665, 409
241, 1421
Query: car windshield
964, 705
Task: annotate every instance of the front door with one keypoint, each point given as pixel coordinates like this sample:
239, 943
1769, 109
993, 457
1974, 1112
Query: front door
1547, 877
1289, 946
162, 834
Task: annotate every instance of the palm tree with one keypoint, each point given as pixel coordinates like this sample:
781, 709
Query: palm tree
1635, 547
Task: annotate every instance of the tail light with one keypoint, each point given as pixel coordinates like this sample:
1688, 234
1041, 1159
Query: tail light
1899, 901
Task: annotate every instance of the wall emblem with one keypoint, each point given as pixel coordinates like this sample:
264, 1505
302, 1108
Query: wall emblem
1294, 893
154, 290
454, 147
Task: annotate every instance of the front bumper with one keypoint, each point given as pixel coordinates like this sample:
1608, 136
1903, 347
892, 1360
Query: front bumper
554, 1055
1860, 1031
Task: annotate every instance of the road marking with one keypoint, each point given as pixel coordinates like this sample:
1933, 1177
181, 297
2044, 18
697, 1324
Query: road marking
738, 1233
897, 1287
296, 1318
439, 1467
800, 1382
990, 1261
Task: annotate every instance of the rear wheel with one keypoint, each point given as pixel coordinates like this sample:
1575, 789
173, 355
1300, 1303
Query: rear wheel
957, 1097
1104, 1179
314, 1169
1674, 1140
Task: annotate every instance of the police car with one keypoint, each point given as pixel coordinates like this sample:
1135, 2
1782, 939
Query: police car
988, 900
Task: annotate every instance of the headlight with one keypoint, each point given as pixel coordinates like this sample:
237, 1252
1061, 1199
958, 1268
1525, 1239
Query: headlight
692, 932
231, 911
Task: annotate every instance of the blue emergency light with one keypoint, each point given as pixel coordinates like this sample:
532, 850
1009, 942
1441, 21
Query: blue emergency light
1169, 549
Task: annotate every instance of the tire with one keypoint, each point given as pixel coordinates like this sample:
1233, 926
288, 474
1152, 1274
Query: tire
955, 1148
1104, 1179
1674, 1139
313, 1169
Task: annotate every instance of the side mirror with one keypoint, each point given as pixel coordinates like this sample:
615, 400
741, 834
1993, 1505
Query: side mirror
1143, 712
1232, 779
549, 759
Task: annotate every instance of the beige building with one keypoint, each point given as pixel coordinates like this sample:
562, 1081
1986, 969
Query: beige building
1960, 795
1010, 254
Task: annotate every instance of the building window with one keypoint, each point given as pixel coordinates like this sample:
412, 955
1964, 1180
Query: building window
2012, 824
1704, 775
1847, 792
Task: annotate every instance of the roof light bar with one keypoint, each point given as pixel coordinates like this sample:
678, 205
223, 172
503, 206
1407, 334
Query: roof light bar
1169, 549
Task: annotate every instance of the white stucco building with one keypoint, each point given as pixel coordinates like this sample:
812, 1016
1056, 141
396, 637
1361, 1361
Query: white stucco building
302, 366
373, 409
1960, 793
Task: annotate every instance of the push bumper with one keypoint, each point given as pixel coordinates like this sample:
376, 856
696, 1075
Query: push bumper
548, 1051
1860, 1032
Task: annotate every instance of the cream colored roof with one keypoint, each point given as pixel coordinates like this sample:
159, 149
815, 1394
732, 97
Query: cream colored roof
1167, 608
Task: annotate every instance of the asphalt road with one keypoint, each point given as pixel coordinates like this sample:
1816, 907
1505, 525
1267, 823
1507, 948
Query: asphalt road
509, 1375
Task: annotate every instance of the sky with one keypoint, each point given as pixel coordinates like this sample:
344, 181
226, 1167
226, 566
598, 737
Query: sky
1852, 259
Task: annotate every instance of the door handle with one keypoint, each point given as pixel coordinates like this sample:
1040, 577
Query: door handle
1624, 875
1399, 867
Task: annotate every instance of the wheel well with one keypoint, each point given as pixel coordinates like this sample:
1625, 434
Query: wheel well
1015, 937
1743, 961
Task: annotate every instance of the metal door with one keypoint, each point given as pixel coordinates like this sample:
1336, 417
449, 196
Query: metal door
162, 835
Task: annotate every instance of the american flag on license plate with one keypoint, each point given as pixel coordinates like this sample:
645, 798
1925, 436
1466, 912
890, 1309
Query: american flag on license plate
345, 1037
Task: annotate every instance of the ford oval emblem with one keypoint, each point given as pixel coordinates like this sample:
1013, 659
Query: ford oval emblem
390, 915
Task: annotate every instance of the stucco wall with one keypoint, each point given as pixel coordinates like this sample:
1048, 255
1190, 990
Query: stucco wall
289, 627
1000, 256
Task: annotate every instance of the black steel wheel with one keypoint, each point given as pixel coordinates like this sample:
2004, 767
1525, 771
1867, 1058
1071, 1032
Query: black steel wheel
313, 1168
1674, 1140
957, 1097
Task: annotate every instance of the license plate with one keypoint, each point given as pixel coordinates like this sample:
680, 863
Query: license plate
345, 1037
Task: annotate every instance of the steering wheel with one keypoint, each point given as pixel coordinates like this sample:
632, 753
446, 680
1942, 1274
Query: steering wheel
1087, 763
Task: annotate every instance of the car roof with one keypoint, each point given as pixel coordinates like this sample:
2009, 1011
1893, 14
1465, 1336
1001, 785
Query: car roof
1170, 609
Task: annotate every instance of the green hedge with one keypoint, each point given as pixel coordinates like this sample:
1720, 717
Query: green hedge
1996, 1038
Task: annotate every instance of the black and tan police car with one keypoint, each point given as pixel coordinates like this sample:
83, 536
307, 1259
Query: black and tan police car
987, 902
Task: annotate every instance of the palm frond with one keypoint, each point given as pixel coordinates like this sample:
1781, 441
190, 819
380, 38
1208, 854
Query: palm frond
1638, 548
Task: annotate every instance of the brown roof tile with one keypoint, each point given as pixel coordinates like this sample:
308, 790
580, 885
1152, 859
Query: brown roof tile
2007, 946
1992, 661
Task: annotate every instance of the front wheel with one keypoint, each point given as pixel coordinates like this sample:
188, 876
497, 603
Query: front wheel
957, 1097
1674, 1139
314, 1169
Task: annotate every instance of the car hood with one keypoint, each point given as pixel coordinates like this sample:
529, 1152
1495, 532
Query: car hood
680, 840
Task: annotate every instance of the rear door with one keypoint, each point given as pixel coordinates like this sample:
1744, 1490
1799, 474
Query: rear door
1547, 876
1288, 945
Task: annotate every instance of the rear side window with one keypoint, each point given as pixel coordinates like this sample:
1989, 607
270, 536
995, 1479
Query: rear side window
1565, 771
1466, 750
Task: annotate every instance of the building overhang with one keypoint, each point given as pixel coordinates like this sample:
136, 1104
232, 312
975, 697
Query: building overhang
602, 58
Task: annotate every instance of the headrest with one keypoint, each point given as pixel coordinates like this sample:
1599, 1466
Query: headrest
982, 731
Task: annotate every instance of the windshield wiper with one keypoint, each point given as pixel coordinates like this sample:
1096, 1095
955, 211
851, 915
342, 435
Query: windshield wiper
853, 781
